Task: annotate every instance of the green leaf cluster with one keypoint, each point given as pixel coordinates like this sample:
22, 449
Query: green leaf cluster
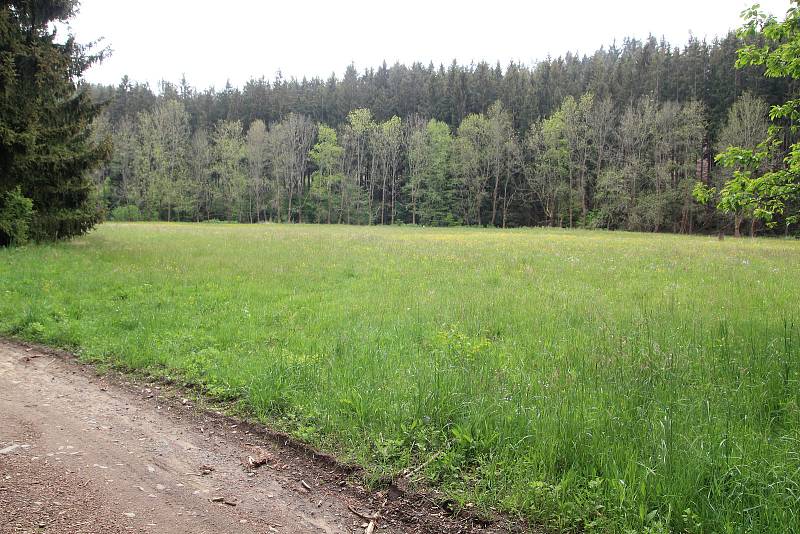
768, 190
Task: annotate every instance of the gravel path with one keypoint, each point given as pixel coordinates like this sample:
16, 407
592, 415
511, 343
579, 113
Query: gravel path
81, 453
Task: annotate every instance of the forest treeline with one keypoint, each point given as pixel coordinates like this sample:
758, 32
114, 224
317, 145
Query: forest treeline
615, 140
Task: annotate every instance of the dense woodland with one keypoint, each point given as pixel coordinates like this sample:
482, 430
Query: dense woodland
613, 140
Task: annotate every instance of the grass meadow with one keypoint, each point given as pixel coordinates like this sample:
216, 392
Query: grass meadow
614, 382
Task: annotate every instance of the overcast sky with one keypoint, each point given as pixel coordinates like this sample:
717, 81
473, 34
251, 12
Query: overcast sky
211, 42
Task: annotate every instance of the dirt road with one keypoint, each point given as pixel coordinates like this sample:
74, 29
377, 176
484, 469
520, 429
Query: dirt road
81, 453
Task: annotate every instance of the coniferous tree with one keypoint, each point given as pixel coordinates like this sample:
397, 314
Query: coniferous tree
47, 148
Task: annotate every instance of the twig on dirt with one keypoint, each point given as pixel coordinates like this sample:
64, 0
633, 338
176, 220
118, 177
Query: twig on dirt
370, 528
372, 517
305, 485
423, 465
222, 500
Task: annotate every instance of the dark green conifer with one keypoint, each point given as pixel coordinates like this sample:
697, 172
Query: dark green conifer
46, 146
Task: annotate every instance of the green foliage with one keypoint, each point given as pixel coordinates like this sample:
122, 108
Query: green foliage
642, 112
617, 141
429, 186
257, 159
126, 213
46, 144
327, 154
472, 166
162, 160
361, 121
612, 200
774, 192
228, 168
16, 212
703, 193
587, 381
328, 182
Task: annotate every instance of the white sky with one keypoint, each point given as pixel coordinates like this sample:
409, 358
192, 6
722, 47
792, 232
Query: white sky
211, 42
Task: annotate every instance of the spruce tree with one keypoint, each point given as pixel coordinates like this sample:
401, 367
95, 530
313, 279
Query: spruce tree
46, 114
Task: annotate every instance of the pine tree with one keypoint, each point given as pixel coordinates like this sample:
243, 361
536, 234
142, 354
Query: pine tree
46, 114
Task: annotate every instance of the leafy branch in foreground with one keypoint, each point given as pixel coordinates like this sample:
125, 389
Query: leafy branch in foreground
757, 185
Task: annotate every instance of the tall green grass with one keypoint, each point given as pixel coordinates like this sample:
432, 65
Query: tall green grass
584, 380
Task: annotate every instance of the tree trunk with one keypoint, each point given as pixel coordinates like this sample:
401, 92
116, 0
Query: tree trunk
341, 207
330, 192
571, 192
383, 200
289, 208
394, 182
505, 200
494, 194
370, 199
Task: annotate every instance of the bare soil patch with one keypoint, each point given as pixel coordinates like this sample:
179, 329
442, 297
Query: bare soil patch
86, 453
